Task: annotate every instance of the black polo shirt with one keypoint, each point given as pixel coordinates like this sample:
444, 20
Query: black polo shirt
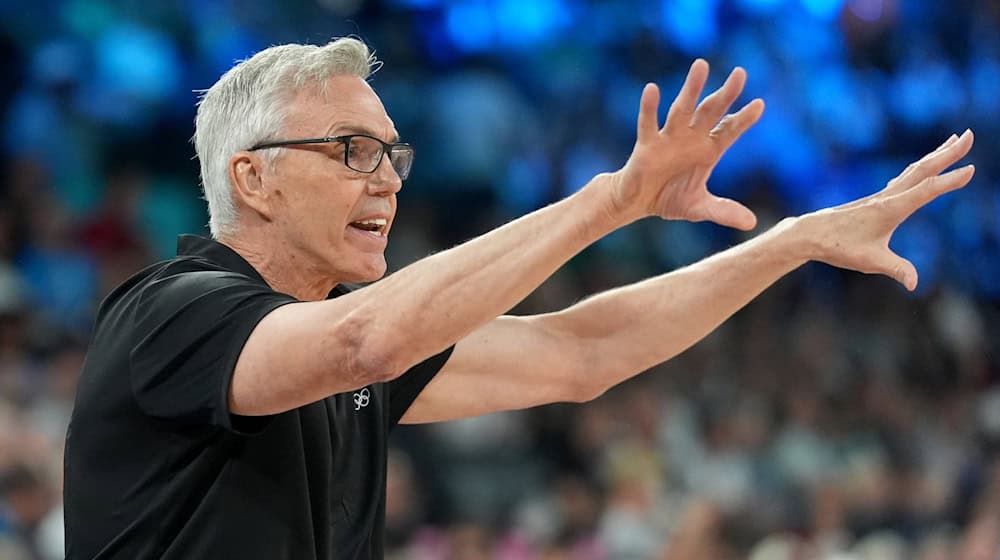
157, 467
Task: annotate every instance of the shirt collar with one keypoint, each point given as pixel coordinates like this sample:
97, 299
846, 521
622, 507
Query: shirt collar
215, 252
224, 256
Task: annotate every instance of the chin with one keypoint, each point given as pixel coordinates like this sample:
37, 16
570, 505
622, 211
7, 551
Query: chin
366, 270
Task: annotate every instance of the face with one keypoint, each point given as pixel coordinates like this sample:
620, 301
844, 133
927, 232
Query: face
333, 221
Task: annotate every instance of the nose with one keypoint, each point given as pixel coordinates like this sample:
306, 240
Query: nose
384, 180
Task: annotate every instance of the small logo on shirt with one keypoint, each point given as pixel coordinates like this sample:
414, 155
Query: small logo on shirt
362, 398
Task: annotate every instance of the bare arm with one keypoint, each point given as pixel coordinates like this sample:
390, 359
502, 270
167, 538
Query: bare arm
578, 353
303, 352
376, 333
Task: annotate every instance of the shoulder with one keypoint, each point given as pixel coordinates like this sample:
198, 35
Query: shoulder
176, 282
190, 277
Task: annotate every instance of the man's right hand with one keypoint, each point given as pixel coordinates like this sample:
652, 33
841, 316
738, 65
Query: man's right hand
667, 172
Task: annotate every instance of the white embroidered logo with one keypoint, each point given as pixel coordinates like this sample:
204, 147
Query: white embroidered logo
361, 398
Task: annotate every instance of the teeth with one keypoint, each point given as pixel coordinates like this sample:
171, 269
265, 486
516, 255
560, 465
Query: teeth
379, 224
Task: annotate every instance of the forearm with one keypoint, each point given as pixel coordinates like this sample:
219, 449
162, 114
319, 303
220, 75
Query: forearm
630, 329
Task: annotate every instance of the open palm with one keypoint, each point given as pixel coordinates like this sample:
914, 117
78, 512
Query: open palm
667, 172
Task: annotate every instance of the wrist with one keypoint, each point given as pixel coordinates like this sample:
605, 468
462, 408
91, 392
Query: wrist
794, 240
615, 211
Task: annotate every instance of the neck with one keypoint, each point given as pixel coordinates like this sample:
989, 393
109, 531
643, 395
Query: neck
284, 270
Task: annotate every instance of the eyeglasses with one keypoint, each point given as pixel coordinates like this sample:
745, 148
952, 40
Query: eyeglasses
362, 153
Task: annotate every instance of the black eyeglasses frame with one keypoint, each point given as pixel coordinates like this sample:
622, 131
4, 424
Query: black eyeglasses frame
387, 148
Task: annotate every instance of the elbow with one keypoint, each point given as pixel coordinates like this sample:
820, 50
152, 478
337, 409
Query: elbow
587, 387
588, 380
372, 353
585, 395
371, 364
576, 363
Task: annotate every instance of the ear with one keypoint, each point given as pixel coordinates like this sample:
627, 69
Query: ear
246, 173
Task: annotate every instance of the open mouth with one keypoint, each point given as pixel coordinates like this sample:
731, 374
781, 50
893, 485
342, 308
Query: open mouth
373, 225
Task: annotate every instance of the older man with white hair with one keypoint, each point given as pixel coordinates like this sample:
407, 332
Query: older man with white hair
236, 400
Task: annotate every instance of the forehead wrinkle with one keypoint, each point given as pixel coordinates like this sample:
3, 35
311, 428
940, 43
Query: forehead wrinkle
354, 128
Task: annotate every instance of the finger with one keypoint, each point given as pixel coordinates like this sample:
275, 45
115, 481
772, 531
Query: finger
904, 181
933, 163
713, 107
727, 212
731, 127
899, 269
908, 202
648, 123
683, 106
901, 182
951, 140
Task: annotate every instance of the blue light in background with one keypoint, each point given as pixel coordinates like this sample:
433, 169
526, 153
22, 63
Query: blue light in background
136, 61
745, 48
968, 222
621, 101
846, 108
583, 161
523, 23
778, 145
476, 26
526, 183
690, 24
807, 41
841, 184
927, 92
137, 67
826, 10
470, 26
220, 41
984, 75
760, 7
919, 242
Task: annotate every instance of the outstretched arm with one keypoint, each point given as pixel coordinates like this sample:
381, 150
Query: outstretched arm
304, 352
578, 353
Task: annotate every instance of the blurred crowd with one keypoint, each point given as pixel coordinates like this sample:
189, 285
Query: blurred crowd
836, 417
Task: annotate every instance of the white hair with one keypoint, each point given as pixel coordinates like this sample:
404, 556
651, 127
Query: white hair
249, 104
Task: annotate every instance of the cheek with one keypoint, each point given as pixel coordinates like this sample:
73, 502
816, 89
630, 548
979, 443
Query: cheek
318, 203
327, 215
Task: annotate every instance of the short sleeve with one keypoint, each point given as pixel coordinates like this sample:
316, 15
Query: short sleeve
407, 387
190, 329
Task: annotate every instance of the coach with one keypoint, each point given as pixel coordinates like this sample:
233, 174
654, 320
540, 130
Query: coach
236, 400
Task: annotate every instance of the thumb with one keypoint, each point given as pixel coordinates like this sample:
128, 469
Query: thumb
727, 212
900, 270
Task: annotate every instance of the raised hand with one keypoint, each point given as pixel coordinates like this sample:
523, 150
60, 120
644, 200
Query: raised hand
856, 235
667, 172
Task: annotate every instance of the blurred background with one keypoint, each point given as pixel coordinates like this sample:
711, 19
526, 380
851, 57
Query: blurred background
835, 417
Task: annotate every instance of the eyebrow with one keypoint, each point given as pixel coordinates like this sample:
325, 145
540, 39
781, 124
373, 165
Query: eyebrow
340, 129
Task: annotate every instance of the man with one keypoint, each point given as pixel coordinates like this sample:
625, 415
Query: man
230, 409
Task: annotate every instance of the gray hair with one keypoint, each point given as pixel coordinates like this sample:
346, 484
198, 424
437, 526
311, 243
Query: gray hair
249, 104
